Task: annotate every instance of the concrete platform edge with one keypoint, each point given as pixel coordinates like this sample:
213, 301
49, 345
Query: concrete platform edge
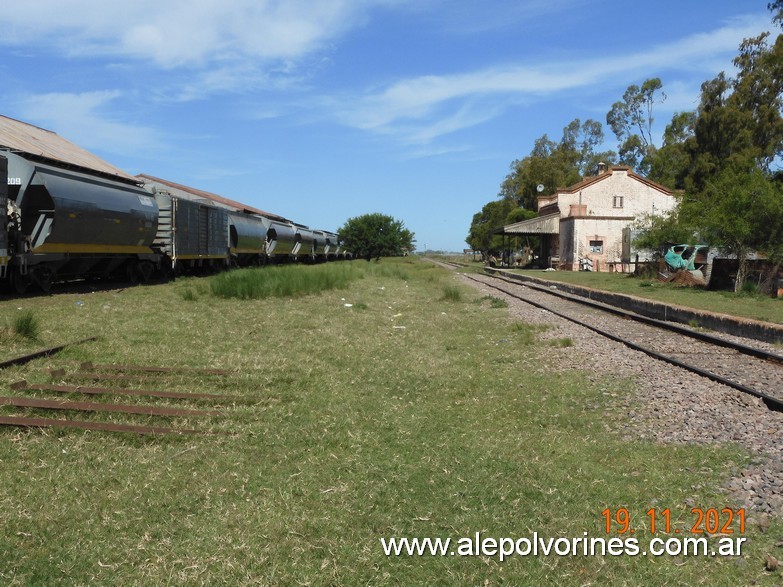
744, 327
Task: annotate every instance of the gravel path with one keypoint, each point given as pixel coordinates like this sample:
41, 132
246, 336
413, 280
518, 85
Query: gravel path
672, 405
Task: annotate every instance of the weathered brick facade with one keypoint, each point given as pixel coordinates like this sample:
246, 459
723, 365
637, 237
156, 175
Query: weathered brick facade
594, 212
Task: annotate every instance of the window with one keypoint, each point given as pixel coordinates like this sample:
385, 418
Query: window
597, 247
618, 202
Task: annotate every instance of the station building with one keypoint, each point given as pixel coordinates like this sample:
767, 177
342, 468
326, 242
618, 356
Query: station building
588, 225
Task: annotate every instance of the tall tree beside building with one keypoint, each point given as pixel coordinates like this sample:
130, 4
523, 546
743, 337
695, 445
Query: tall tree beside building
550, 164
723, 155
631, 119
670, 164
493, 215
554, 164
734, 194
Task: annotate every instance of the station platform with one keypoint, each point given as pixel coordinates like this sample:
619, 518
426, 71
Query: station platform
744, 327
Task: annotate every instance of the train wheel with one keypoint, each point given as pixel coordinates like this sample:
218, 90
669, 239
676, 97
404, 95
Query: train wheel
19, 283
132, 272
146, 269
45, 282
44, 278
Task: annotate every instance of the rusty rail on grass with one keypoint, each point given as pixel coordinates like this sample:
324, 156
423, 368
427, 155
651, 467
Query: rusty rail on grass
119, 391
90, 366
47, 404
84, 425
43, 353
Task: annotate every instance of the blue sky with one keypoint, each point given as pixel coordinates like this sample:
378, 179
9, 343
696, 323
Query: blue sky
320, 110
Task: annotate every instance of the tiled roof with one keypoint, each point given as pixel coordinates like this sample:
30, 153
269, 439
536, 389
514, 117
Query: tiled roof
596, 178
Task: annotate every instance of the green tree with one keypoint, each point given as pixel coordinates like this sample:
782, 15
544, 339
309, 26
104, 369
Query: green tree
740, 210
518, 215
631, 120
543, 165
555, 165
493, 215
739, 121
722, 155
757, 93
657, 230
777, 11
670, 164
578, 147
373, 236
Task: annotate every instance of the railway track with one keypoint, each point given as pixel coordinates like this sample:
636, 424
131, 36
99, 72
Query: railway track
24, 409
42, 353
748, 367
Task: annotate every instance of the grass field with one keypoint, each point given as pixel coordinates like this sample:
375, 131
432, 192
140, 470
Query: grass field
399, 404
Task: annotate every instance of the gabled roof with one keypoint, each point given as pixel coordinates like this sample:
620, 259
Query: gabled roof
38, 143
210, 196
588, 181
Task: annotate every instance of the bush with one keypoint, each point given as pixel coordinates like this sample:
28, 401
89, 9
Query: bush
26, 326
286, 281
494, 302
750, 288
451, 293
526, 332
189, 295
373, 236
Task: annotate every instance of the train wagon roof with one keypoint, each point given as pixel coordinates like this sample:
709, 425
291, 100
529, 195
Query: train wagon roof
24, 138
210, 196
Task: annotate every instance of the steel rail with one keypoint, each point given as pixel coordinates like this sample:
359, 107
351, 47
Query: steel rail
771, 402
90, 366
84, 425
47, 404
671, 326
120, 391
43, 353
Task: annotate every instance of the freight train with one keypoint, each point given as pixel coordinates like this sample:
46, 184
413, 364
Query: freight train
60, 221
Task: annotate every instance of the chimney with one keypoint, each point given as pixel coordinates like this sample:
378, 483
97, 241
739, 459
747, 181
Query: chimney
601, 168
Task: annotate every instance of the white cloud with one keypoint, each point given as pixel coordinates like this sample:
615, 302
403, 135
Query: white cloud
79, 118
422, 108
174, 33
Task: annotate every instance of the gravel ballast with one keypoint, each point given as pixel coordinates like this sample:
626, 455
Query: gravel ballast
671, 405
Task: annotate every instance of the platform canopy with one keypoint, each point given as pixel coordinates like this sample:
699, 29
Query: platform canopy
549, 224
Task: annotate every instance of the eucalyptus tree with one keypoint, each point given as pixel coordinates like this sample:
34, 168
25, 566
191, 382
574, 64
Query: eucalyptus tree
631, 120
670, 164
724, 156
556, 164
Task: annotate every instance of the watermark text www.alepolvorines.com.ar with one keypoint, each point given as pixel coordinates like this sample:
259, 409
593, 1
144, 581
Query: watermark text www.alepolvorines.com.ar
585, 545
